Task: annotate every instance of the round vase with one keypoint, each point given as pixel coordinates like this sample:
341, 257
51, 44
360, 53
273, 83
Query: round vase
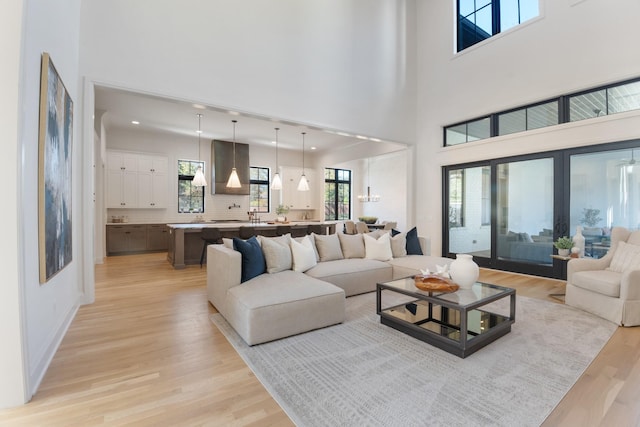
464, 271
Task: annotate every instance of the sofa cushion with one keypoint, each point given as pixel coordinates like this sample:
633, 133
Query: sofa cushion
274, 306
413, 244
399, 245
352, 245
379, 249
328, 247
355, 276
253, 263
303, 254
626, 257
277, 253
604, 282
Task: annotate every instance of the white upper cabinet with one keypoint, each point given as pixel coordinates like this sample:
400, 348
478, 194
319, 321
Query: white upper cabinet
291, 197
136, 180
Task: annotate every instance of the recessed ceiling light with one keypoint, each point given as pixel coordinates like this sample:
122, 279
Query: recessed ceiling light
361, 137
135, 122
198, 131
313, 148
375, 139
199, 106
273, 142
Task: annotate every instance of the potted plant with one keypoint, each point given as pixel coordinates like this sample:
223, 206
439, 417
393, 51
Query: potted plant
563, 245
368, 219
281, 211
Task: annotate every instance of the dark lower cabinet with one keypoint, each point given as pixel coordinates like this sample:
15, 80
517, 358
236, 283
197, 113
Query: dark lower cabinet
131, 238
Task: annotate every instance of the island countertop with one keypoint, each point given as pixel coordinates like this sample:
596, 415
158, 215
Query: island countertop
237, 224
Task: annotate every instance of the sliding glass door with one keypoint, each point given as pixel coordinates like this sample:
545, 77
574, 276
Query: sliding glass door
508, 212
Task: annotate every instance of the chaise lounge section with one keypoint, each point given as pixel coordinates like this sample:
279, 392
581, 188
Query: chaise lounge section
285, 302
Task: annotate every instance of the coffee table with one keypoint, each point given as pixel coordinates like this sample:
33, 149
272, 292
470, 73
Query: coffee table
459, 322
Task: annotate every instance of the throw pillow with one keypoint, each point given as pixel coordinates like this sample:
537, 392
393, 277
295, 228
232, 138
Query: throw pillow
413, 244
303, 254
227, 242
352, 245
399, 245
379, 249
253, 263
313, 244
626, 257
328, 247
277, 253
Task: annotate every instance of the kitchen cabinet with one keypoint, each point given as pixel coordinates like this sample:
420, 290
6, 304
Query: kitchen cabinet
152, 182
291, 197
136, 180
132, 238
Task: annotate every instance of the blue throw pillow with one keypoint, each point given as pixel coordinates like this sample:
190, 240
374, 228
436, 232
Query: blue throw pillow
394, 232
413, 244
253, 262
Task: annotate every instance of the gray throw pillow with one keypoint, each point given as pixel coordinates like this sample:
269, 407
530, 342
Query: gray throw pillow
352, 245
277, 253
328, 247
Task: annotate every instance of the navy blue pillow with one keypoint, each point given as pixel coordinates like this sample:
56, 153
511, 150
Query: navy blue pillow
253, 262
394, 232
413, 244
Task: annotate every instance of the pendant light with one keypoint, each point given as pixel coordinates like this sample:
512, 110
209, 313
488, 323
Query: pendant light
198, 179
303, 185
234, 181
368, 197
276, 182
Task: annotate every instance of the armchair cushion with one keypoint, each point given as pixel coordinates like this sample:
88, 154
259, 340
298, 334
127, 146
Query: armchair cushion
604, 282
626, 257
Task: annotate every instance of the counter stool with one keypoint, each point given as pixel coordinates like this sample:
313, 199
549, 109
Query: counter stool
210, 236
299, 230
315, 228
281, 230
247, 232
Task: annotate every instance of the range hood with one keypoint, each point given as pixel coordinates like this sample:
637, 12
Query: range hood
222, 161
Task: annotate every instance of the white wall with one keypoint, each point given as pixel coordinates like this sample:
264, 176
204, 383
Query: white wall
337, 64
46, 309
568, 48
12, 370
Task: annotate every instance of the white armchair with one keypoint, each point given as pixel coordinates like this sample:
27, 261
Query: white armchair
609, 287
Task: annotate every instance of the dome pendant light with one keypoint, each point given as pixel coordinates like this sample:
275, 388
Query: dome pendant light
276, 182
303, 185
198, 179
234, 180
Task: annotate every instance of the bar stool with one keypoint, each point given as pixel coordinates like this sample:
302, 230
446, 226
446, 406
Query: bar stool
210, 236
299, 230
315, 228
247, 232
281, 230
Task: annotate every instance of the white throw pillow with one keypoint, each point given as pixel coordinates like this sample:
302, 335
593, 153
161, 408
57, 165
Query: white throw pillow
626, 257
379, 249
277, 253
303, 254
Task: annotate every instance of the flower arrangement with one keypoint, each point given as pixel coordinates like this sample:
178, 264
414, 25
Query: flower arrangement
368, 219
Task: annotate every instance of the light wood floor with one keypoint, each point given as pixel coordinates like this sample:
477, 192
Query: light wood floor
146, 354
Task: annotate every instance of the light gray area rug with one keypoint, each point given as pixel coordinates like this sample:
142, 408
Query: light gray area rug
362, 373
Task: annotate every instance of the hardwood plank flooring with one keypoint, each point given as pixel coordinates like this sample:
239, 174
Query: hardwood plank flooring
146, 354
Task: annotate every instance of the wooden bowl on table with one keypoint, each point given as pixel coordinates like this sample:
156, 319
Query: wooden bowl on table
434, 283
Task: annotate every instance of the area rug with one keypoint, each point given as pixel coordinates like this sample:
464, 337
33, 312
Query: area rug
363, 373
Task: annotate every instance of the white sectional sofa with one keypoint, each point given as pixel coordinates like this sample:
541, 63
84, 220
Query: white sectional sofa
285, 302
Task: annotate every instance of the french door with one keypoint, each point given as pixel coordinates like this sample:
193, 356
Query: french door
508, 212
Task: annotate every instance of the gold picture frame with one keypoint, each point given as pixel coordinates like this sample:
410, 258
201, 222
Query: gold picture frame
55, 138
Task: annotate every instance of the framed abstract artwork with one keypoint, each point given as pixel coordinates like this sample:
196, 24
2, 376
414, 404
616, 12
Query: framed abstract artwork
54, 173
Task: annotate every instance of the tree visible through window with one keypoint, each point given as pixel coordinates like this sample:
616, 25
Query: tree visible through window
259, 189
337, 194
190, 197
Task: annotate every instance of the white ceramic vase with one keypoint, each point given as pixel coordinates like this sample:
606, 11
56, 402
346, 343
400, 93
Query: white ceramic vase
578, 241
464, 271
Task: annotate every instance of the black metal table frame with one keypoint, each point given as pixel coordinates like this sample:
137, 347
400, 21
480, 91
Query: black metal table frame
461, 348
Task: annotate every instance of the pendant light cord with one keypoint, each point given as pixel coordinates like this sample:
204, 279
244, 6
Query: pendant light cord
234, 143
277, 129
303, 133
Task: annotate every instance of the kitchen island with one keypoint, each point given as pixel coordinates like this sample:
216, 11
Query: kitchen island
185, 242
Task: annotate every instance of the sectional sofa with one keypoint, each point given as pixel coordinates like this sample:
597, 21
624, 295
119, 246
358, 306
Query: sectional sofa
300, 284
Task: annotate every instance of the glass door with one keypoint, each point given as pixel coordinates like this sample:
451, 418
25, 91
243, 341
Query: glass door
525, 212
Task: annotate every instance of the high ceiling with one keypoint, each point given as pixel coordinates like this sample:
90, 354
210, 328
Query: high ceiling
179, 117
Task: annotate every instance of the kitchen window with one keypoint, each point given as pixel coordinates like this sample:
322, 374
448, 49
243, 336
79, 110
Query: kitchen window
259, 194
190, 197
